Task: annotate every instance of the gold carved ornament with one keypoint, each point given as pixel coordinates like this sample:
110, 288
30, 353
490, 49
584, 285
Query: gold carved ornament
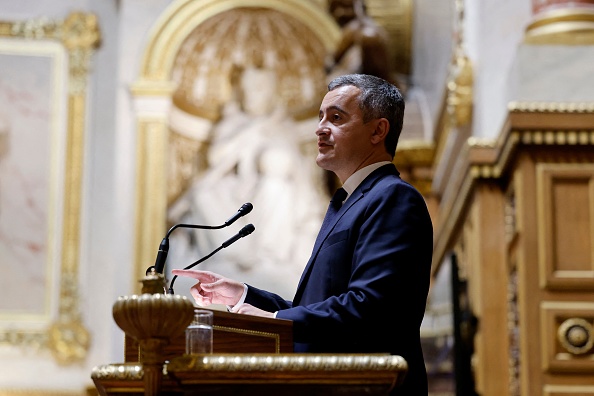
576, 335
460, 80
459, 91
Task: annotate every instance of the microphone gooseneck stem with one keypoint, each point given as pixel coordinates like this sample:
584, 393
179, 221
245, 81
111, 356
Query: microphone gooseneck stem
245, 231
202, 227
195, 263
164, 247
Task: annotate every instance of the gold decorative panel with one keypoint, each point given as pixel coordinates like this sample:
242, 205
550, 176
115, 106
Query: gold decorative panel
75, 38
566, 235
567, 336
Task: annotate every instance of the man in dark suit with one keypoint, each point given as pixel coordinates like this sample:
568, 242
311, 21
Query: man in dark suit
365, 286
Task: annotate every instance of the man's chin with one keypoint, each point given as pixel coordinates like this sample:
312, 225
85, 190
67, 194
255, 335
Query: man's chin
320, 160
323, 162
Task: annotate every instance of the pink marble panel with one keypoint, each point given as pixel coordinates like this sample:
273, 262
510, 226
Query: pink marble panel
25, 173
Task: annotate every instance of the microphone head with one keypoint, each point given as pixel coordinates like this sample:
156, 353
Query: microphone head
245, 208
247, 230
162, 255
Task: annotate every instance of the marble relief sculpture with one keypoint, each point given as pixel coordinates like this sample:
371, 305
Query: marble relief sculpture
248, 83
254, 155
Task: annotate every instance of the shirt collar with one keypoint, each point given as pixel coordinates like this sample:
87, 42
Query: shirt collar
356, 178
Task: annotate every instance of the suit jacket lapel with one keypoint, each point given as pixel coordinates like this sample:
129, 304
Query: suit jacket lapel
355, 196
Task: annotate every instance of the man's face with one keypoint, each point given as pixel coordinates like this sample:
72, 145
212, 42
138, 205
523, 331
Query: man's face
344, 141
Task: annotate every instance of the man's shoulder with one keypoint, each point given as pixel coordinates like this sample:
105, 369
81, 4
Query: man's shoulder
393, 188
388, 178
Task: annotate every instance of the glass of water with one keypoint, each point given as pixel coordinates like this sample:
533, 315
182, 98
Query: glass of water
199, 333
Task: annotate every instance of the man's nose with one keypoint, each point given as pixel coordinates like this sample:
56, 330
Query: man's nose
322, 128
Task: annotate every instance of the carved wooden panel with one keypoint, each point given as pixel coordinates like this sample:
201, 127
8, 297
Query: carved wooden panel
567, 337
565, 216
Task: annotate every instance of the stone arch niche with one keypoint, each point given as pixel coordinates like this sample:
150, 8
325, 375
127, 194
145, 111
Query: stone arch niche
197, 61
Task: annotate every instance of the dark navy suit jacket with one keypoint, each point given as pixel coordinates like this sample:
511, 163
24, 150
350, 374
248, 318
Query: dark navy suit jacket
365, 286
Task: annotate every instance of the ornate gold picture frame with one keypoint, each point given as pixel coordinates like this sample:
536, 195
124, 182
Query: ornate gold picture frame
61, 50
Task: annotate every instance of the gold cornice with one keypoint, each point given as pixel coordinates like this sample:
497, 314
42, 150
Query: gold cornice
415, 159
558, 137
293, 362
414, 153
491, 160
562, 26
190, 371
152, 88
551, 107
478, 142
119, 372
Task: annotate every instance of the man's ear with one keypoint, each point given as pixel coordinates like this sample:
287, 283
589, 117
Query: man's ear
381, 130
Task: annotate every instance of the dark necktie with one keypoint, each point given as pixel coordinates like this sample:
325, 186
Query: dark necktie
334, 207
338, 198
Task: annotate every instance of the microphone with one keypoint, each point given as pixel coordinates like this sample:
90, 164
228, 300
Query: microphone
164, 246
245, 231
245, 209
161, 256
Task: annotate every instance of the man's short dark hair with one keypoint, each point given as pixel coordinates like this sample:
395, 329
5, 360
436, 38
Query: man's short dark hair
378, 99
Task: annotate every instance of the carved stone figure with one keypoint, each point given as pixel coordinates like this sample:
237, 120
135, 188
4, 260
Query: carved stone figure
255, 156
364, 46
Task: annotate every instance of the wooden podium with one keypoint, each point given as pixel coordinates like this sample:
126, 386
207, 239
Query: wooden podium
251, 356
233, 333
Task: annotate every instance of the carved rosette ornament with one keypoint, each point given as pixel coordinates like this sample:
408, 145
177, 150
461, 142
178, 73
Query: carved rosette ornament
153, 319
576, 335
